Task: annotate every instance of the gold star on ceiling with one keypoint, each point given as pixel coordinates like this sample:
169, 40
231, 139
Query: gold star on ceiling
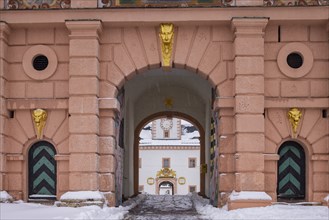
168, 102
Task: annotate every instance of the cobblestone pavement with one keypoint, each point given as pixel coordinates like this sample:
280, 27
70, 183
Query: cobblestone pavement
164, 207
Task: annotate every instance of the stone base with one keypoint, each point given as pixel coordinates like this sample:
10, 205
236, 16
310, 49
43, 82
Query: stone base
80, 203
110, 198
81, 198
238, 204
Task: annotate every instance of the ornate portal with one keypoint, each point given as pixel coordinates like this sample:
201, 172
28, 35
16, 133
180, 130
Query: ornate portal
39, 118
294, 116
167, 39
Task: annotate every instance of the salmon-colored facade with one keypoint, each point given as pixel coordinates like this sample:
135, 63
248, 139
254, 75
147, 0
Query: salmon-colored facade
262, 59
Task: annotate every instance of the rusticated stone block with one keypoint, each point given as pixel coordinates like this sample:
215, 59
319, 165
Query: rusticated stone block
199, 46
133, 45
83, 86
226, 182
249, 104
249, 85
250, 142
249, 162
106, 145
83, 105
83, 181
226, 163
84, 124
294, 88
107, 126
107, 164
14, 181
270, 182
249, 46
110, 198
294, 33
107, 182
249, 65
84, 143
85, 66
249, 123
84, 162
84, 48
38, 36
318, 33
250, 181
114, 75
320, 182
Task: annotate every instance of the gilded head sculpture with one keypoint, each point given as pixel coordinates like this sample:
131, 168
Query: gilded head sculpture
39, 118
166, 36
294, 116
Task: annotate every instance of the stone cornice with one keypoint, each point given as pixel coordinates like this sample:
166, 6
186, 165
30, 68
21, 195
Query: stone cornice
132, 17
228, 102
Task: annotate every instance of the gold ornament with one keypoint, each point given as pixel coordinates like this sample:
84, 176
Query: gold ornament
166, 173
294, 116
168, 102
150, 181
167, 38
39, 118
181, 180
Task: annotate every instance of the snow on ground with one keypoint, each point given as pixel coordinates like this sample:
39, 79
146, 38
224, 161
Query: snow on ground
245, 195
277, 212
21, 210
5, 197
82, 195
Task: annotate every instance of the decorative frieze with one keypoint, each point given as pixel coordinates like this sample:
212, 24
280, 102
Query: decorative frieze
295, 2
33, 4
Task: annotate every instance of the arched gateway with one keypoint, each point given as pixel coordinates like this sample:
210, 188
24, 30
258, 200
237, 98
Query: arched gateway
249, 76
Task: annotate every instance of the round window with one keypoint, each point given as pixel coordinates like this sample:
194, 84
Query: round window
40, 62
295, 60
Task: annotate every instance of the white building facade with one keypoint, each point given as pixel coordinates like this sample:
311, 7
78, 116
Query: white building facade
169, 157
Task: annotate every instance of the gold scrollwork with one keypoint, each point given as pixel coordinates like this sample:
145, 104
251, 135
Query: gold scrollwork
167, 38
39, 118
166, 173
294, 116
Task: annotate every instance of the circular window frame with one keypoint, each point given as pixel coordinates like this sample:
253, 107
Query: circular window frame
29, 57
303, 51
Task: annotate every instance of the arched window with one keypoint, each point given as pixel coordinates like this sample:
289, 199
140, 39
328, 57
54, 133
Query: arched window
42, 171
291, 171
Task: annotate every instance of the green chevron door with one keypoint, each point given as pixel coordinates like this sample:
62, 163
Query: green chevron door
291, 171
42, 171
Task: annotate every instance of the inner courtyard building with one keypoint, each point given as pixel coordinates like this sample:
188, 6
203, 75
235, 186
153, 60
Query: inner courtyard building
79, 80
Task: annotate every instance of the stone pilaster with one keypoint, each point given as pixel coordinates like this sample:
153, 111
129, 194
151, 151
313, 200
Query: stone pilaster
4, 34
83, 105
249, 106
109, 107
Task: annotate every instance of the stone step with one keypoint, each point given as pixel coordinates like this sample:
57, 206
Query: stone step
48, 202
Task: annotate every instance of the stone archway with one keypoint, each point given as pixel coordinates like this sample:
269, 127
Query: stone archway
229, 57
171, 115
